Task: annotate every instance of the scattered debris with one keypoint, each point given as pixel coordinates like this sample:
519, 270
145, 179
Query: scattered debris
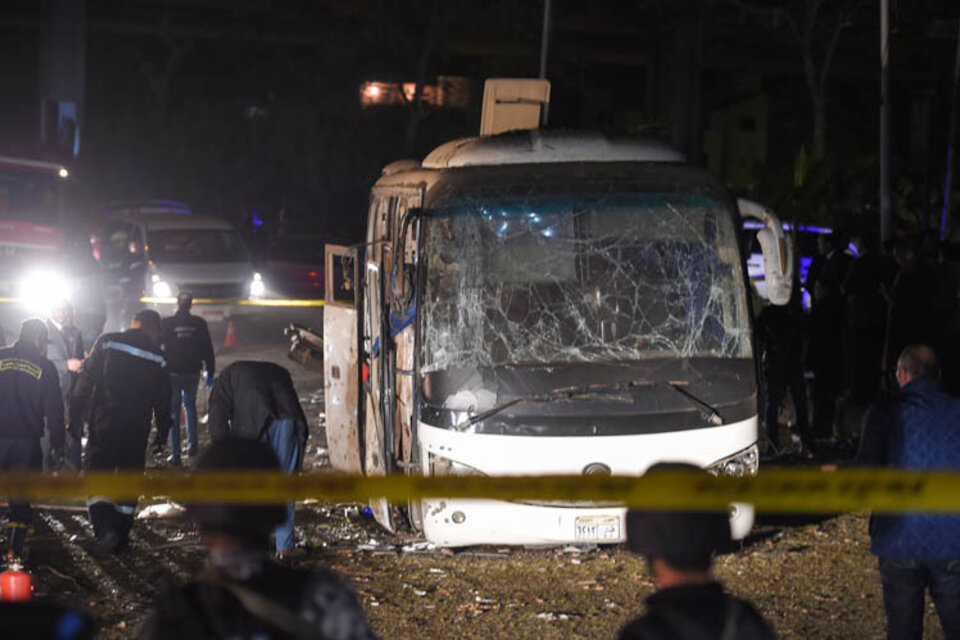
162, 510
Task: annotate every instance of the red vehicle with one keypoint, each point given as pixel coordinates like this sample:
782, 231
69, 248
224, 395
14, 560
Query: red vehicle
43, 258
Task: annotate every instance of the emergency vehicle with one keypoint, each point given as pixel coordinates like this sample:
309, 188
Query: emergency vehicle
43, 258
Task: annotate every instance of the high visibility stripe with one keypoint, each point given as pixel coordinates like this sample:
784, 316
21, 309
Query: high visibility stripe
136, 352
96, 499
125, 509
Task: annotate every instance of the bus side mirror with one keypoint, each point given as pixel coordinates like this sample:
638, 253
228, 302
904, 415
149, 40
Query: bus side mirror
777, 251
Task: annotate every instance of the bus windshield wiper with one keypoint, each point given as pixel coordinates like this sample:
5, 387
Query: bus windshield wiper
588, 392
707, 411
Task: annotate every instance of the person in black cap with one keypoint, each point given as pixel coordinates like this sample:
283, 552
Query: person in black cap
30, 398
241, 593
124, 385
187, 348
689, 604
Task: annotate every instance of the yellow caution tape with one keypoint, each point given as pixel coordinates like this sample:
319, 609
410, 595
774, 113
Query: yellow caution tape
263, 302
782, 491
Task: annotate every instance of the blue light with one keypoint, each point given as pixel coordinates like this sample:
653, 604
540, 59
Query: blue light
502, 229
257, 222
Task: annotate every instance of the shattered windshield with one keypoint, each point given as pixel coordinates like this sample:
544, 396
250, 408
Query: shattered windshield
568, 278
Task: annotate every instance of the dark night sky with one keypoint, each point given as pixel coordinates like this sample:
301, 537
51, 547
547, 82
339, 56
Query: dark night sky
310, 147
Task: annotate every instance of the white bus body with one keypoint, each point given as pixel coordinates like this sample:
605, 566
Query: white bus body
543, 303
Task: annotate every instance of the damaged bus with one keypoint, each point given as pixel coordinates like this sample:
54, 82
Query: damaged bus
544, 303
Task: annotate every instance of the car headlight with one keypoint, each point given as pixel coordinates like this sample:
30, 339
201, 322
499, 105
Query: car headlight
161, 289
440, 466
742, 463
257, 288
41, 291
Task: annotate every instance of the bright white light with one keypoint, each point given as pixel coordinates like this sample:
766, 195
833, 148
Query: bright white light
41, 291
161, 289
63, 173
257, 287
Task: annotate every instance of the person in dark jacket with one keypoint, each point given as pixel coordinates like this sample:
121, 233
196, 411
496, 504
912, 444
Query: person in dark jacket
869, 276
780, 332
241, 593
65, 351
30, 398
257, 401
187, 348
124, 385
919, 430
688, 604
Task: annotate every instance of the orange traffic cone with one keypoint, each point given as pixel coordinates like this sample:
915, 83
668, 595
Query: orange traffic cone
230, 341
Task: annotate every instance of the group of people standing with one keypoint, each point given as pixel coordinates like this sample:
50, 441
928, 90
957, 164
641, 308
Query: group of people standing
865, 307
130, 383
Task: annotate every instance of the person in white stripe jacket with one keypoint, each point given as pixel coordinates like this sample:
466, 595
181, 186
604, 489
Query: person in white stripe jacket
123, 387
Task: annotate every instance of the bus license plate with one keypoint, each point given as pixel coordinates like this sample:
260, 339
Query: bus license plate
597, 528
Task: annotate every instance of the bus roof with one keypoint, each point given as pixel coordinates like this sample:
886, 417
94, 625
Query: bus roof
539, 147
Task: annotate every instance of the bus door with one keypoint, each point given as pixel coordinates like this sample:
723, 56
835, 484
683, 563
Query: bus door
341, 364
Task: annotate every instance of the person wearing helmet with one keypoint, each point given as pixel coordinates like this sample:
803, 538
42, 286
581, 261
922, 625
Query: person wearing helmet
689, 603
242, 593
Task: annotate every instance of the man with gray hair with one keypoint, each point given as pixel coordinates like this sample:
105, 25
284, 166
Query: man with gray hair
918, 430
30, 397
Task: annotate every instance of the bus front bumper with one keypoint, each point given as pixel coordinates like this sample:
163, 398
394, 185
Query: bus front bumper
459, 523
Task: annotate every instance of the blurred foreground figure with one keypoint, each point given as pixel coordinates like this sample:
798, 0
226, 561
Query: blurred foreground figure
919, 430
241, 593
30, 398
187, 348
689, 604
124, 385
257, 401
45, 621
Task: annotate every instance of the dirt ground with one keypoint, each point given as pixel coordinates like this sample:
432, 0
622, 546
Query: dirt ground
813, 579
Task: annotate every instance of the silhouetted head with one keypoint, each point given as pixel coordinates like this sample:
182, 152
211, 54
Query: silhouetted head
148, 321
33, 332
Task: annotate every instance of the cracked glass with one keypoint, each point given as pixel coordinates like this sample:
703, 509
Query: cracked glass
546, 278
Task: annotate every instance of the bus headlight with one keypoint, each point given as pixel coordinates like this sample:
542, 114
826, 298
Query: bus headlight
41, 291
257, 288
440, 466
742, 463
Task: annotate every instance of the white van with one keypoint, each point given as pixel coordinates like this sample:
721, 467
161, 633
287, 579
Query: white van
153, 257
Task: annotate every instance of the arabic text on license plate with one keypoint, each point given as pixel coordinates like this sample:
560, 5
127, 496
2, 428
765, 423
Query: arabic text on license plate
597, 528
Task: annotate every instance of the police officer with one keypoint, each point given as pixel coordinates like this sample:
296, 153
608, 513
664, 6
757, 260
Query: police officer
187, 347
257, 401
689, 604
241, 593
29, 395
124, 384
